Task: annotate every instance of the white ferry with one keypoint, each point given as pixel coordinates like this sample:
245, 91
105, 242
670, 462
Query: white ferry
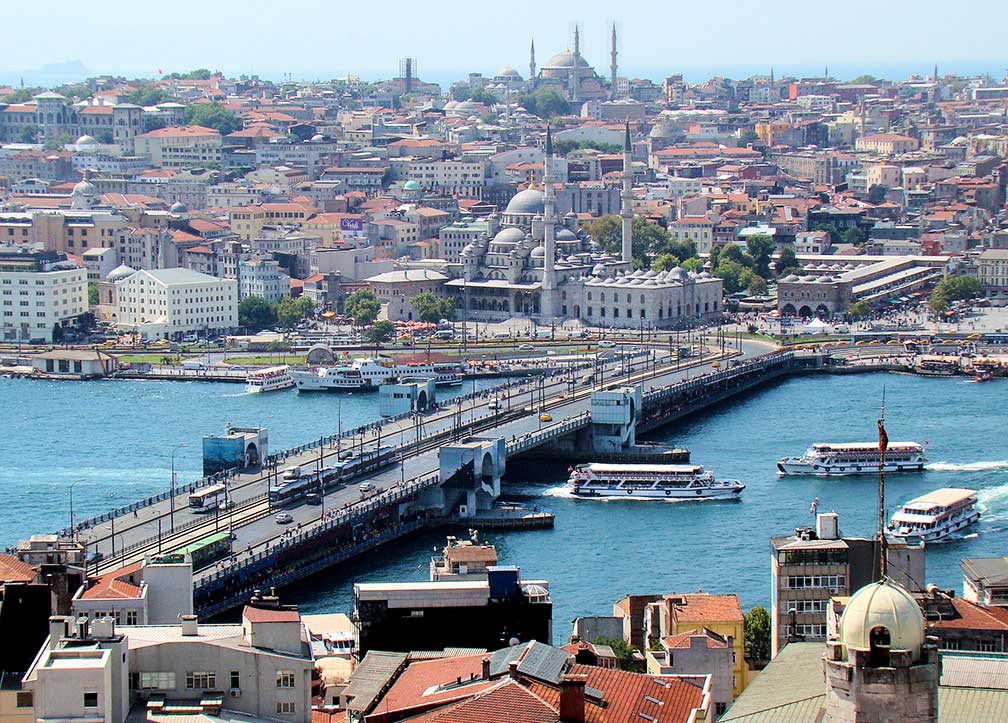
853, 458
269, 379
369, 374
651, 481
936, 515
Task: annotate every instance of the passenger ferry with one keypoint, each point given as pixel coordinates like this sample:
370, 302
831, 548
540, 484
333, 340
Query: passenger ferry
650, 481
269, 379
853, 458
936, 515
369, 374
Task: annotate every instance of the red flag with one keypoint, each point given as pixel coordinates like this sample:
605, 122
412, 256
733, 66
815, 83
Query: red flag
570, 469
883, 438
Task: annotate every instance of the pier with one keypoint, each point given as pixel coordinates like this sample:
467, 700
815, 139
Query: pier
447, 471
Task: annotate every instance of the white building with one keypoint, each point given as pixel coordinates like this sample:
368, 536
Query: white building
394, 289
39, 290
455, 177
165, 303
262, 278
154, 592
180, 146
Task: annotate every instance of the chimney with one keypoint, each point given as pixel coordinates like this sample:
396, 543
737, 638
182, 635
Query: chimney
189, 625
57, 630
486, 668
572, 698
513, 670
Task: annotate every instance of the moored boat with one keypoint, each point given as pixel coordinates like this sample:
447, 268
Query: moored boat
935, 516
650, 481
269, 379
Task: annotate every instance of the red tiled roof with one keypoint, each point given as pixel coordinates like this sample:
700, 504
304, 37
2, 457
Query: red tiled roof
417, 687
507, 702
13, 570
682, 640
115, 585
975, 617
703, 607
265, 615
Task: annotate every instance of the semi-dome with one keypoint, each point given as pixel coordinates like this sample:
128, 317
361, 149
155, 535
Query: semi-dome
86, 140
566, 59
565, 234
538, 252
530, 201
883, 605
509, 235
120, 272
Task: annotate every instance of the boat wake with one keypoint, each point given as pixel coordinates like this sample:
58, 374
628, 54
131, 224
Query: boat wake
967, 466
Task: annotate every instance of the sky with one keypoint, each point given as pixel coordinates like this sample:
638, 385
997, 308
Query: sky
331, 38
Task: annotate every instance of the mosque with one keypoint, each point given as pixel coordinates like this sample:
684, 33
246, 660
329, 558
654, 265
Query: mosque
569, 73
538, 267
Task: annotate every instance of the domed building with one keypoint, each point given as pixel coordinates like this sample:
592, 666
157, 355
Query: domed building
84, 195
571, 75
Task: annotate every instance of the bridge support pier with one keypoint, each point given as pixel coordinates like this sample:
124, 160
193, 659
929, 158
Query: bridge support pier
614, 414
471, 472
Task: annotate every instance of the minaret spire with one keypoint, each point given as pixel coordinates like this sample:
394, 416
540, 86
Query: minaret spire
626, 208
612, 63
532, 62
577, 42
546, 301
771, 76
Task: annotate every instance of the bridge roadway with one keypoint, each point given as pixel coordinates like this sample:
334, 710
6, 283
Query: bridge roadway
252, 520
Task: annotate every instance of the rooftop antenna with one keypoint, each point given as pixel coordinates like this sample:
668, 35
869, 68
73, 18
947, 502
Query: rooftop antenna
883, 444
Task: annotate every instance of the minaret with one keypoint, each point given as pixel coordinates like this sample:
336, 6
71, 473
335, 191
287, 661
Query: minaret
546, 300
577, 42
626, 209
935, 76
826, 73
532, 62
612, 63
771, 76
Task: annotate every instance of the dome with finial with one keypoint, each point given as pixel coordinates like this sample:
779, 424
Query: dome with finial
179, 208
411, 185
84, 187
530, 201
883, 605
86, 142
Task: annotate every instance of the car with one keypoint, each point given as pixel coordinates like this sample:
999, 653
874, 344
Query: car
367, 487
284, 518
313, 498
606, 344
345, 455
545, 417
526, 347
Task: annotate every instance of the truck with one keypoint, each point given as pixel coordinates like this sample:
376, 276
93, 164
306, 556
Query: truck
193, 365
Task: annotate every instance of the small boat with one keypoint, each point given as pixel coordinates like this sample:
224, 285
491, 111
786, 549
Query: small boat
270, 379
935, 516
853, 458
650, 481
983, 375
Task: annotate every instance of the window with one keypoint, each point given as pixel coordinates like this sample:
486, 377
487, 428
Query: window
986, 646
25, 699
285, 679
285, 706
131, 617
201, 680
90, 700
235, 679
157, 681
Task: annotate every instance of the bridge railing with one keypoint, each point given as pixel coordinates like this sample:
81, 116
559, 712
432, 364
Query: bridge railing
555, 430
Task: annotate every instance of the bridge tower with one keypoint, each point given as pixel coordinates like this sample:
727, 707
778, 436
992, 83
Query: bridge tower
614, 414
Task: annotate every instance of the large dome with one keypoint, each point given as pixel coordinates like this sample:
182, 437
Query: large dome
508, 72
883, 604
509, 235
531, 201
85, 188
566, 59
86, 141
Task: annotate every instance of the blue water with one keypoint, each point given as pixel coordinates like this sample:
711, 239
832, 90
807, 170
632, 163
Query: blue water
116, 436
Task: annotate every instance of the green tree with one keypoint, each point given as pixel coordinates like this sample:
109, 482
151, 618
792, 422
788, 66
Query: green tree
148, 95
75, 90
679, 249
481, 95
757, 633
734, 252
379, 332
859, 310
59, 141
693, 264
606, 231
664, 262
29, 134
877, 193
715, 256
865, 80
431, 309
363, 306
854, 236
290, 311
953, 288
212, 115
746, 138
787, 262
760, 247
735, 275
565, 147
21, 95
544, 103
255, 313
757, 287
624, 654
92, 294
198, 74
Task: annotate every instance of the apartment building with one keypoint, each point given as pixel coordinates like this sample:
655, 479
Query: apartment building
39, 291
992, 270
155, 591
166, 303
455, 177
263, 278
180, 146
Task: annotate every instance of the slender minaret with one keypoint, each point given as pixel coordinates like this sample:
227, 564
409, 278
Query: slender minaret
771, 76
547, 300
935, 76
577, 42
532, 62
626, 209
612, 63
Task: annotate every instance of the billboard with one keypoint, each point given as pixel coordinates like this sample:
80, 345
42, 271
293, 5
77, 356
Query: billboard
352, 224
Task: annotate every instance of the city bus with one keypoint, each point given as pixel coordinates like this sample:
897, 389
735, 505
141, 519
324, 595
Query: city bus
209, 499
208, 550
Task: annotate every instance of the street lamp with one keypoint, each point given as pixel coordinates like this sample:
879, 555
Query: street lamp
171, 495
73, 532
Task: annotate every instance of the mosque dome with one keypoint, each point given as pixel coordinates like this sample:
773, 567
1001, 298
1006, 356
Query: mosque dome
86, 141
529, 201
508, 72
538, 252
120, 272
467, 106
318, 137
178, 208
885, 605
411, 185
509, 235
565, 234
566, 59
85, 188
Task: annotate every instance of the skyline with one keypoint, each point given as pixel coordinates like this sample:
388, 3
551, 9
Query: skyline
740, 41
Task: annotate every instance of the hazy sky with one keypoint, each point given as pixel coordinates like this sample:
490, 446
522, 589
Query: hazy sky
327, 38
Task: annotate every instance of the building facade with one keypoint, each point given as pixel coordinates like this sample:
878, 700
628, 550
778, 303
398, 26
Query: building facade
40, 292
166, 303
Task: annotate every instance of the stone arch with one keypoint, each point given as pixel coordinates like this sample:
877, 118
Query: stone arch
879, 641
822, 312
805, 312
421, 403
577, 311
788, 310
252, 455
487, 467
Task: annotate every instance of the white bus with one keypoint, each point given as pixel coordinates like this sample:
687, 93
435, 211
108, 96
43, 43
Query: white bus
209, 499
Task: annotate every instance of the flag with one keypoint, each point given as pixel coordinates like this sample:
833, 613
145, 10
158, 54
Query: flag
883, 438
570, 469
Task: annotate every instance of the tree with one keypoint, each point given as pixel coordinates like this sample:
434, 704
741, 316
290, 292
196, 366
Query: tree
624, 654
865, 80
92, 294
787, 262
148, 95
734, 252
877, 193
854, 236
21, 95
953, 288
480, 95
693, 264
746, 138
859, 310
255, 313
760, 247
290, 311
606, 231
380, 332
565, 147
75, 90
29, 134
212, 115
198, 74
59, 141
664, 262
431, 309
757, 633
362, 306
757, 287
679, 249
736, 276
544, 103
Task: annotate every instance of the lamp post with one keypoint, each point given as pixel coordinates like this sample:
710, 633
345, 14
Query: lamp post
73, 532
171, 495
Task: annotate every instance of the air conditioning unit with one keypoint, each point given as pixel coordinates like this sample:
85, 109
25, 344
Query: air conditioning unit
235, 692
834, 590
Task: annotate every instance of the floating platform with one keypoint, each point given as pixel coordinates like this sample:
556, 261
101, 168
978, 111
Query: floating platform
507, 516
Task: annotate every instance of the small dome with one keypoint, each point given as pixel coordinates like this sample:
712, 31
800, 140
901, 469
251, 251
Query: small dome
529, 201
86, 140
411, 185
508, 72
120, 272
318, 137
883, 604
85, 188
538, 252
179, 207
565, 234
